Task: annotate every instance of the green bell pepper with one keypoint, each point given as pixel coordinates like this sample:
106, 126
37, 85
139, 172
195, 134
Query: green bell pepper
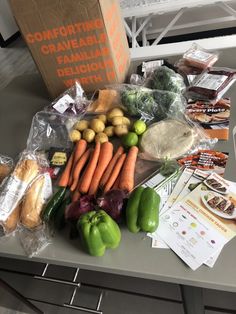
142, 211
98, 231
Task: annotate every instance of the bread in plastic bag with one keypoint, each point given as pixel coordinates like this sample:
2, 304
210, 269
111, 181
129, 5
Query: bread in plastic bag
34, 240
171, 139
36, 196
14, 188
6, 165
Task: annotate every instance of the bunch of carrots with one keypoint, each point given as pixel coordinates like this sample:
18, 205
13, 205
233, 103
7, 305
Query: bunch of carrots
90, 170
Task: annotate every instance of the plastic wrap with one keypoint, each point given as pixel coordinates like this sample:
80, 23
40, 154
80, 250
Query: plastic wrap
164, 78
104, 100
173, 138
150, 104
211, 85
34, 241
72, 102
34, 235
6, 165
49, 130
199, 58
14, 187
35, 198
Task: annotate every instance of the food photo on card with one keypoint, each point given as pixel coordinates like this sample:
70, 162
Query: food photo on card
197, 227
213, 117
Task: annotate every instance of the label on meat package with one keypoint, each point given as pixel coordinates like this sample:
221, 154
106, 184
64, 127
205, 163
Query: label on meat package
199, 55
13, 192
211, 81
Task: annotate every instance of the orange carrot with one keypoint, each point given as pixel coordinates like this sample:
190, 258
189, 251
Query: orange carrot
115, 173
127, 174
116, 184
79, 150
76, 196
111, 165
78, 168
64, 179
89, 171
103, 161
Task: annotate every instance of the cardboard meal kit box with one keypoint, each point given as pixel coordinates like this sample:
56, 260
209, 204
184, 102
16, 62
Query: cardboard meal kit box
72, 40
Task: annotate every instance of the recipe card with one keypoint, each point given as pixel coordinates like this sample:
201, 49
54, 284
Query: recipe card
182, 181
197, 177
213, 117
198, 227
207, 160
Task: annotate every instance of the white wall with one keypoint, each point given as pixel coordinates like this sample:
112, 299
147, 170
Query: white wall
8, 26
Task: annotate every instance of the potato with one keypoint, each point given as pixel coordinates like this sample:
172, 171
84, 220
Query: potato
97, 125
101, 137
75, 135
88, 135
103, 118
81, 125
109, 131
120, 121
121, 130
116, 112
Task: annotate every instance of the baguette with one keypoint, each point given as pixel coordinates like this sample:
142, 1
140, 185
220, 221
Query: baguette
11, 223
26, 170
5, 170
13, 191
33, 204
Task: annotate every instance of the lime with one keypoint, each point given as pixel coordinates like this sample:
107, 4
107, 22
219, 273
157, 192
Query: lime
139, 127
130, 139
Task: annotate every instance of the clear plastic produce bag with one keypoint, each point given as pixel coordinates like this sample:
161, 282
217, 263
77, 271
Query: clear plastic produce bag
171, 139
6, 165
50, 130
34, 241
166, 79
72, 102
150, 104
14, 188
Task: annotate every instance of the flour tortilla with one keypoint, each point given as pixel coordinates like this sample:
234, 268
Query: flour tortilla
167, 139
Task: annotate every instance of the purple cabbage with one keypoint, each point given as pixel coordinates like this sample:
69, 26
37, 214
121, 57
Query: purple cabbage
85, 204
113, 203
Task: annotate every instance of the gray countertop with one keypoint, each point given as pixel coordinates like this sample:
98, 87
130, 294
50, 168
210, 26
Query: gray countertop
135, 257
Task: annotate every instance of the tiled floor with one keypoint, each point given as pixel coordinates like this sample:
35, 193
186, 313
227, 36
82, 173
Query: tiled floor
15, 60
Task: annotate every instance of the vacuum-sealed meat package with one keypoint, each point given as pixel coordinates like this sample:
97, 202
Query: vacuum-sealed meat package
212, 84
199, 57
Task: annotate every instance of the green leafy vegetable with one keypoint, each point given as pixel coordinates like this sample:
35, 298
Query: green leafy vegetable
164, 78
169, 167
